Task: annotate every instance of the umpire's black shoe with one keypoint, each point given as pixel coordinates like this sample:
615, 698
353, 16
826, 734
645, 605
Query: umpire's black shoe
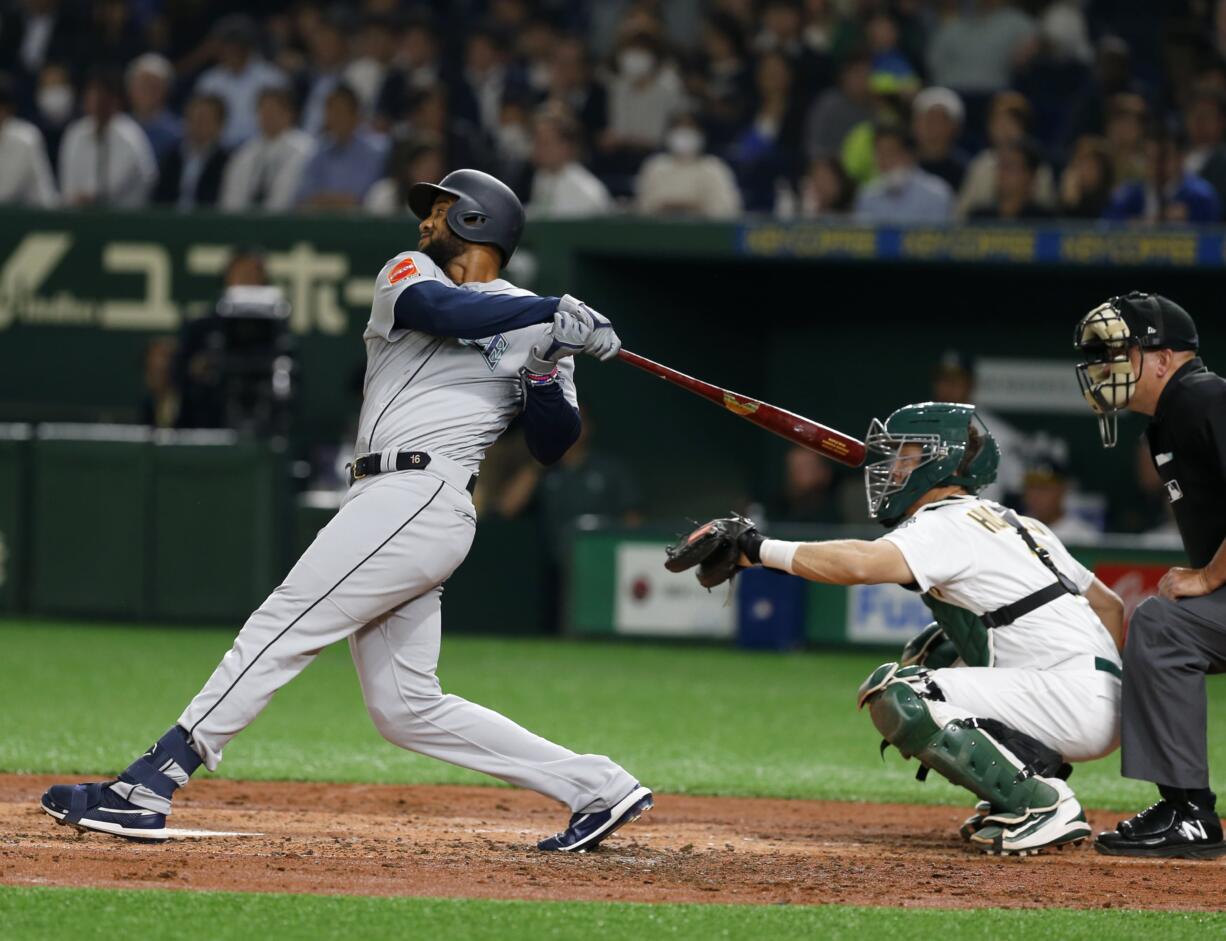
1168, 828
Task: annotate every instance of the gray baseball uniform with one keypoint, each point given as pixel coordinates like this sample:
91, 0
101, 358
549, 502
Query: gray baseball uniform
374, 574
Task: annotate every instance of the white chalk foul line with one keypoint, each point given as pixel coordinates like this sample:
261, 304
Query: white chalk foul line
178, 834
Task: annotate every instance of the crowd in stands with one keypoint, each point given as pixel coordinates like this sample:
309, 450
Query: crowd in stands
883, 111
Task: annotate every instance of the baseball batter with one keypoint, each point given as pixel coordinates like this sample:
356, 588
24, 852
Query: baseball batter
1019, 674
453, 354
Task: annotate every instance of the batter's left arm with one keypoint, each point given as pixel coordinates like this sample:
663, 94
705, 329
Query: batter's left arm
551, 423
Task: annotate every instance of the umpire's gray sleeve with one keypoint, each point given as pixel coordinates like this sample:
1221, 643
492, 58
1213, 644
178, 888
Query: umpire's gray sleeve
1171, 646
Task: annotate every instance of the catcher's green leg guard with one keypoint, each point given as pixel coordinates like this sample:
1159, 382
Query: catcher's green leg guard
950, 745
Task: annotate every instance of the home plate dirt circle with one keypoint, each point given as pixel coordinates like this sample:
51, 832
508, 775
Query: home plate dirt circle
480, 843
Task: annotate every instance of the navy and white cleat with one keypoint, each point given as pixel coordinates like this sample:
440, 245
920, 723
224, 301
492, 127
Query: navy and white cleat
586, 831
97, 807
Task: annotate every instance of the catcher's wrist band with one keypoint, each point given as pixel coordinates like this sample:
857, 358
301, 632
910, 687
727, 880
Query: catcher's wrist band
539, 379
779, 553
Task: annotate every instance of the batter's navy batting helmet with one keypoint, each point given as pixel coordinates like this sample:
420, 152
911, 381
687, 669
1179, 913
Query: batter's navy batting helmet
485, 209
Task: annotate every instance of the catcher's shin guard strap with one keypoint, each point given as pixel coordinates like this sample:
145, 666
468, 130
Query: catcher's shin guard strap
959, 752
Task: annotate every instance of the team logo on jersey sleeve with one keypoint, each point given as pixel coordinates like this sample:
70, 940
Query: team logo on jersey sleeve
405, 268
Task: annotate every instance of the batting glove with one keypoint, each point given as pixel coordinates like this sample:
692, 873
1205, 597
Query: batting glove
603, 343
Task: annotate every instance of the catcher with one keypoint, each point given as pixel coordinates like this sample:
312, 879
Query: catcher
1020, 672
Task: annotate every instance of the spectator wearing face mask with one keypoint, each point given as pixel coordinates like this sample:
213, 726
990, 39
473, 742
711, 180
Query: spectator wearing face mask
105, 158
685, 180
644, 93
513, 144
415, 67
561, 186
25, 171
55, 102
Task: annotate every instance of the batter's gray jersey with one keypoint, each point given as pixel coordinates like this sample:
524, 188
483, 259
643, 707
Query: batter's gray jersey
438, 394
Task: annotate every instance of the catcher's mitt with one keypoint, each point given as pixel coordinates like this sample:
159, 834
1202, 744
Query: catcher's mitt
716, 548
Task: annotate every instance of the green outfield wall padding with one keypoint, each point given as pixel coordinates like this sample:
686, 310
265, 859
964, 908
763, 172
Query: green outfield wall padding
89, 519
14, 554
217, 543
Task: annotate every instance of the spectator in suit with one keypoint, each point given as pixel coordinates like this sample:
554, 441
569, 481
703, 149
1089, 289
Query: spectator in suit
149, 78
415, 68
34, 33
328, 45
486, 78
902, 193
190, 176
105, 158
346, 162
367, 72
1167, 194
25, 171
265, 172
238, 77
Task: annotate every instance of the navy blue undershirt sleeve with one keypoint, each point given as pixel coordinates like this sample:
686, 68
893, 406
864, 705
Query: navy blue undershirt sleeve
467, 315
551, 424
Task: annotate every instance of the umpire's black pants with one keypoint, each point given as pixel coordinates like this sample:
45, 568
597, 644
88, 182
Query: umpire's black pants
1171, 646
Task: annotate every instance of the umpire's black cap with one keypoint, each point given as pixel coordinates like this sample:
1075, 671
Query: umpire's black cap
1157, 322
485, 210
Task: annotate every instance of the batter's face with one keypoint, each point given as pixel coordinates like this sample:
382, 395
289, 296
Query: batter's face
436, 239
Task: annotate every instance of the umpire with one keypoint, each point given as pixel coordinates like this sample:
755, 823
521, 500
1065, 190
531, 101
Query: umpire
1140, 354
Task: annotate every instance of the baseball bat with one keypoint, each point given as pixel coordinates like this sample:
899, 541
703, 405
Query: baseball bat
795, 428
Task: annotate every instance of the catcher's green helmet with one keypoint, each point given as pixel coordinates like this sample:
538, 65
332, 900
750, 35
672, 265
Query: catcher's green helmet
951, 446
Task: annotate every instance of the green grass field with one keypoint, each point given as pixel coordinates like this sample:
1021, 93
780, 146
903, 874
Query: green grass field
93, 913
700, 720
84, 699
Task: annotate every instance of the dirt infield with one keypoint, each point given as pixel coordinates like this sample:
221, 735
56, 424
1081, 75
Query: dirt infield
479, 842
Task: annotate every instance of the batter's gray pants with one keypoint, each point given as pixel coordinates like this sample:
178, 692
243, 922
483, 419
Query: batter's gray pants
1171, 646
373, 576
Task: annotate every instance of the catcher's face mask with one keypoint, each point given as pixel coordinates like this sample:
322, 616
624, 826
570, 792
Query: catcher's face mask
1106, 376
890, 483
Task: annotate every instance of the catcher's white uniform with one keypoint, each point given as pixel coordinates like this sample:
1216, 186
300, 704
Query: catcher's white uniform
1053, 673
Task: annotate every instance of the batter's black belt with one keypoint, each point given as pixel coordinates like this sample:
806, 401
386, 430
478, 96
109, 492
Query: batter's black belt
368, 465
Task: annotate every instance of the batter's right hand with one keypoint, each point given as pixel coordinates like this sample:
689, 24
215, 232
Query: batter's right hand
603, 342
